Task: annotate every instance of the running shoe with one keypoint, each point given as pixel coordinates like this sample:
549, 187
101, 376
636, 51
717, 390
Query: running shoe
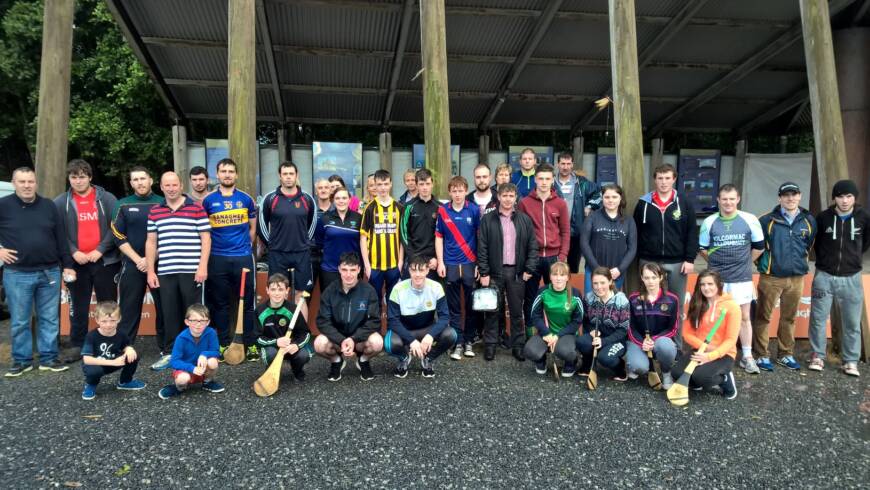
541, 365
132, 385
428, 366
252, 354
667, 381
212, 386
161, 363
457, 353
729, 386
401, 369
54, 366
789, 362
569, 370
851, 368
90, 392
816, 363
168, 392
748, 364
468, 352
365, 370
764, 364
335, 370
18, 369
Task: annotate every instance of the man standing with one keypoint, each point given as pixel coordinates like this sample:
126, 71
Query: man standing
198, 184
484, 196
130, 227
840, 245
379, 237
524, 178
232, 215
456, 250
411, 191
324, 192
667, 234
549, 214
418, 224
507, 258
33, 248
789, 233
730, 242
349, 319
582, 197
86, 212
286, 225
177, 251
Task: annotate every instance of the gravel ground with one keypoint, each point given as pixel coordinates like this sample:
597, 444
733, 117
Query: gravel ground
476, 425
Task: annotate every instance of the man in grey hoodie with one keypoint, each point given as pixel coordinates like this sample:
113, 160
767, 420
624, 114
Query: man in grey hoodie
86, 211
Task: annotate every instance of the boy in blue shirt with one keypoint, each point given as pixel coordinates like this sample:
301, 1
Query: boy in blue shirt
456, 252
194, 355
106, 350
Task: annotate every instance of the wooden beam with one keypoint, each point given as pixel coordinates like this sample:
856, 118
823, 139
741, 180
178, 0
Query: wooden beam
242, 92
690, 8
656, 158
774, 112
483, 149
516, 70
385, 151
52, 124
830, 147
283, 146
179, 153
626, 100
577, 149
266, 35
737, 175
401, 44
436, 107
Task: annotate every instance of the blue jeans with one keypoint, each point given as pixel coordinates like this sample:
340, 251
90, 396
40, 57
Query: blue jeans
22, 290
587, 281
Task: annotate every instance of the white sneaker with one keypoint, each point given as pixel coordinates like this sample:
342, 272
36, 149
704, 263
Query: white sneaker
851, 368
161, 363
667, 381
632, 375
816, 363
468, 352
457, 353
748, 364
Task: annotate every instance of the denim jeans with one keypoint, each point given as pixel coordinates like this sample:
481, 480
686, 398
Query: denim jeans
848, 292
23, 289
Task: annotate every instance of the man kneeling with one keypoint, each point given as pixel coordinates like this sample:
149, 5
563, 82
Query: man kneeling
417, 317
349, 319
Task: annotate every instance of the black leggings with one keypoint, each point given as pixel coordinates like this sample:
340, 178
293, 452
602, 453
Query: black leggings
706, 375
94, 373
536, 349
394, 345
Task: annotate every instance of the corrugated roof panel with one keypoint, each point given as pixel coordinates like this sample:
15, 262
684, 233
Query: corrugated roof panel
470, 34
660, 82
545, 113
188, 19
465, 111
571, 39
767, 84
504, 4
594, 6
696, 44
213, 100
794, 55
333, 26
718, 115
776, 10
557, 79
266, 104
333, 106
662, 8
191, 63
333, 71
464, 77
407, 108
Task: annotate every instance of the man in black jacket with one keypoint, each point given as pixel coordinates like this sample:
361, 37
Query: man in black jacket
667, 232
840, 243
507, 255
349, 319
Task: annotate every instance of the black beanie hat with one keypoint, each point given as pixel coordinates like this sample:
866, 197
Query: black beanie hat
845, 187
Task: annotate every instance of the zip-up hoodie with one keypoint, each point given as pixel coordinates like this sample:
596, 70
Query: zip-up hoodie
841, 243
786, 246
670, 236
564, 311
611, 319
272, 324
525, 183
552, 223
417, 229
608, 242
659, 316
355, 314
187, 349
724, 341
106, 202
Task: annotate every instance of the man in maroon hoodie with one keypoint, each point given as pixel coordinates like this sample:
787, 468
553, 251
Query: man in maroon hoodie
552, 222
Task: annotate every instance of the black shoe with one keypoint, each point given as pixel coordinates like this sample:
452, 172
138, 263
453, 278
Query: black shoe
428, 366
729, 386
72, 355
299, 375
54, 365
365, 370
335, 370
18, 369
518, 354
401, 369
489, 352
505, 342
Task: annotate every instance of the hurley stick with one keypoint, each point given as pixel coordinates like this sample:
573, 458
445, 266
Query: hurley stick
235, 353
592, 380
653, 378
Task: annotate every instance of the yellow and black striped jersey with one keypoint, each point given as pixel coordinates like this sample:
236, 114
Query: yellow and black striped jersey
380, 224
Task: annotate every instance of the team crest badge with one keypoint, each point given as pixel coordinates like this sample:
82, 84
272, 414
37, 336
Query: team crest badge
665, 307
677, 215
363, 306
282, 322
429, 304
296, 204
239, 204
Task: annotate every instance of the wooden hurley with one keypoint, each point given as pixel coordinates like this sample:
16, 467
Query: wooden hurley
235, 353
592, 380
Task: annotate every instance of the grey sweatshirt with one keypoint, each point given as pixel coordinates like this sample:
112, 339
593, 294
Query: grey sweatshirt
608, 242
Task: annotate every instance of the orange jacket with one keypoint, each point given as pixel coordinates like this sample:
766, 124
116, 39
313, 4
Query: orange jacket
725, 339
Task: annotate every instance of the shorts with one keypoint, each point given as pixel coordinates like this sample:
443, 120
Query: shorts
300, 261
195, 379
742, 292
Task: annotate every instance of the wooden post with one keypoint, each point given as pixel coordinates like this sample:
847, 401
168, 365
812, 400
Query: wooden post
436, 110
656, 158
577, 148
483, 149
179, 153
282, 144
626, 100
52, 124
739, 164
824, 95
385, 151
242, 92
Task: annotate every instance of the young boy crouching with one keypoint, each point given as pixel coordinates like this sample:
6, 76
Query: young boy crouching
194, 355
107, 350
273, 320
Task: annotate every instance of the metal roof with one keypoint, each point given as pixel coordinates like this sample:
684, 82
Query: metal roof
706, 65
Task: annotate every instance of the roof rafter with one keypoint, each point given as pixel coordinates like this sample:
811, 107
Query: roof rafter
774, 112
266, 35
401, 44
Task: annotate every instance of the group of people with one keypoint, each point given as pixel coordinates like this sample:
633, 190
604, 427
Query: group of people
417, 261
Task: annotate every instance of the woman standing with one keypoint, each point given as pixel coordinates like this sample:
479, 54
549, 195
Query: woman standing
340, 235
605, 325
556, 316
711, 308
609, 239
654, 322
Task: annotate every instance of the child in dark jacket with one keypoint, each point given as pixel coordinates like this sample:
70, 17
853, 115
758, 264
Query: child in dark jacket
654, 323
194, 355
273, 320
607, 317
